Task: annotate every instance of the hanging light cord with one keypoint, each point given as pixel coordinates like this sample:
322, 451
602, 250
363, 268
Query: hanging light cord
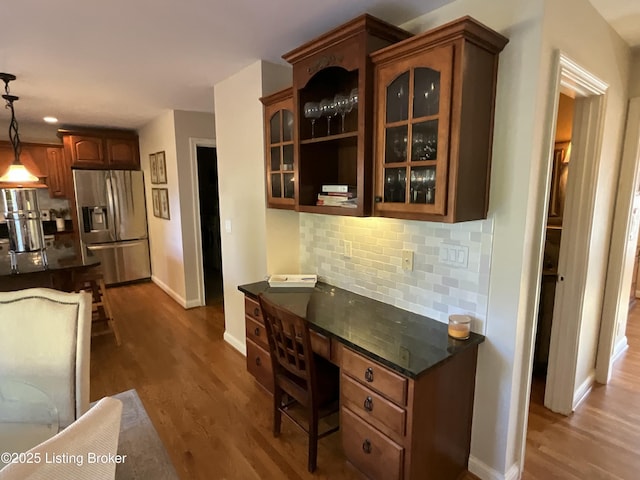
13, 126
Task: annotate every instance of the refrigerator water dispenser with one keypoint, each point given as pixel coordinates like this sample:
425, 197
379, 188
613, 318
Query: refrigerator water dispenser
94, 219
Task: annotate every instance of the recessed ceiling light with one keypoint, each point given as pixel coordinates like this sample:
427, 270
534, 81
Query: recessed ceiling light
50, 119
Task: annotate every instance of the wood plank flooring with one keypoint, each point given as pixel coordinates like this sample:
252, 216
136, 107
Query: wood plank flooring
215, 421
601, 439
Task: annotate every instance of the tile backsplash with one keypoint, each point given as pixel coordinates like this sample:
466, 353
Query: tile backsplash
433, 288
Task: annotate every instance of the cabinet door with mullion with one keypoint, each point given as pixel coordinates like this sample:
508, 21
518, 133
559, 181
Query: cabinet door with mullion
413, 97
279, 155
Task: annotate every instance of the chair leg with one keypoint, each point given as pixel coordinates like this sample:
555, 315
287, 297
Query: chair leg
277, 415
313, 440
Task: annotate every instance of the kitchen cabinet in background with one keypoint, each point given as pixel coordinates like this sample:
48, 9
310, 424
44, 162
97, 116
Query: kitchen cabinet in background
45, 161
101, 149
59, 179
435, 96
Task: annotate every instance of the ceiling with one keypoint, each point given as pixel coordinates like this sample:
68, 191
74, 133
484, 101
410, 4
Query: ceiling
121, 63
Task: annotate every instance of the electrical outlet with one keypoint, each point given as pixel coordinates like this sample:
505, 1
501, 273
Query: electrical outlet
407, 260
347, 248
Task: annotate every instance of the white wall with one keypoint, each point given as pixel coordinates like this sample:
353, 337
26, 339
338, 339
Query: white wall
516, 145
240, 148
173, 256
165, 236
188, 125
594, 45
634, 75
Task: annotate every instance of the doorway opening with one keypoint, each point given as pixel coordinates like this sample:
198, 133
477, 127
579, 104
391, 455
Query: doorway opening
210, 224
555, 216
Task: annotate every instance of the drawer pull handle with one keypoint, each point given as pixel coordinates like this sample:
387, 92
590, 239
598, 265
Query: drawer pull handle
256, 332
366, 446
368, 374
368, 404
258, 361
256, 312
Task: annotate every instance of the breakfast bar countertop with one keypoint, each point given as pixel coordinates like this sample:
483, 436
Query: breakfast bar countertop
403, 341
61, 254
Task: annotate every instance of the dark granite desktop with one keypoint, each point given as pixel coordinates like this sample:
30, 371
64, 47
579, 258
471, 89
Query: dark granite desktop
404, 341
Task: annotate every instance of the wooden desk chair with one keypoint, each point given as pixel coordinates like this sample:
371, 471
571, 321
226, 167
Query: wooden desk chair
102, 321
304, 377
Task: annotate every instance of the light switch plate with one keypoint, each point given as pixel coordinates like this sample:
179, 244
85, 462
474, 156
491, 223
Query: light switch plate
454, 255
407, 260
347, 248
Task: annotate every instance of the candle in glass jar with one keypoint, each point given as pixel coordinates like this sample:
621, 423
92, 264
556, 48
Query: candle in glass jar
459, 326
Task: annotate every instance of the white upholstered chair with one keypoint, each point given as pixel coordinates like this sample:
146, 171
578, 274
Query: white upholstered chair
45, 340
95, 433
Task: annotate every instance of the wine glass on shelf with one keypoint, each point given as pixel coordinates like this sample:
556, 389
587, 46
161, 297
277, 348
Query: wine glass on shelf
353, 98
328, 109
312, 111
343, 106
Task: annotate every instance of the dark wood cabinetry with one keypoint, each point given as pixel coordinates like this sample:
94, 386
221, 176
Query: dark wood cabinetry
435, 96
333, 113
280, 165
45, 161
102, 149
393, 427
59, 179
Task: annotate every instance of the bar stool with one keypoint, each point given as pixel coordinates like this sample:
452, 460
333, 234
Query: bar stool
92, 281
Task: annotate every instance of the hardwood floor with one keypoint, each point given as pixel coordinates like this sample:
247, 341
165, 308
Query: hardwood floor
215, 421
213, 418
601, 439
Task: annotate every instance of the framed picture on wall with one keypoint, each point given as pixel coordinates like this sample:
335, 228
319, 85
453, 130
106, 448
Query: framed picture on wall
153, 167
164, 203
162, 167
155, 197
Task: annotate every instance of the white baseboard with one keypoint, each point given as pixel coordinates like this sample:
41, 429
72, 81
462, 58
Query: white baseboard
619, 349
169, 291
485, 472
583, 390
196, 302
235, 343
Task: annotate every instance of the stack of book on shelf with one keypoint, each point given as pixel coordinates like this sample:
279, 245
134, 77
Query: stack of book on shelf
338, 196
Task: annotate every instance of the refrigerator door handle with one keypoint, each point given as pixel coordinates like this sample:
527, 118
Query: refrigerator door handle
114, 204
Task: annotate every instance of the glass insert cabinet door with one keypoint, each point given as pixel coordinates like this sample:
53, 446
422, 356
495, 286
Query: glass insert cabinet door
280, 165
413, 122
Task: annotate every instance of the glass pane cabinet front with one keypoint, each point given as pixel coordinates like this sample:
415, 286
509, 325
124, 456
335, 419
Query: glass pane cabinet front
281, 163
412, 124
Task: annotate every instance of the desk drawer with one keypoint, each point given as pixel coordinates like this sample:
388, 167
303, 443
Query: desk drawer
259, 365
370, 451
375, 376
371, 407
320, 344
256, 332
252, 309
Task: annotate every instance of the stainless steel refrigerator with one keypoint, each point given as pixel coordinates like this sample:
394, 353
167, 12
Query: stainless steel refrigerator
113, 222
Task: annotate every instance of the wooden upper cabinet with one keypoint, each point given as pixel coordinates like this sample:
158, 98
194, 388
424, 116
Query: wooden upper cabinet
333, 115
59, 179
279, 146
435, 96
123, 153
102, 149
87, 152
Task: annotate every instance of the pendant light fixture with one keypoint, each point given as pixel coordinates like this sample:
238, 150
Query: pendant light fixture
17, 175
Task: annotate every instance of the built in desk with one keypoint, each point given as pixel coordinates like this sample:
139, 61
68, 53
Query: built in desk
406, 389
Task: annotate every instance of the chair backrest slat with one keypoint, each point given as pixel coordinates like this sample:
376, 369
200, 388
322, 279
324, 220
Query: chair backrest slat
289, 340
